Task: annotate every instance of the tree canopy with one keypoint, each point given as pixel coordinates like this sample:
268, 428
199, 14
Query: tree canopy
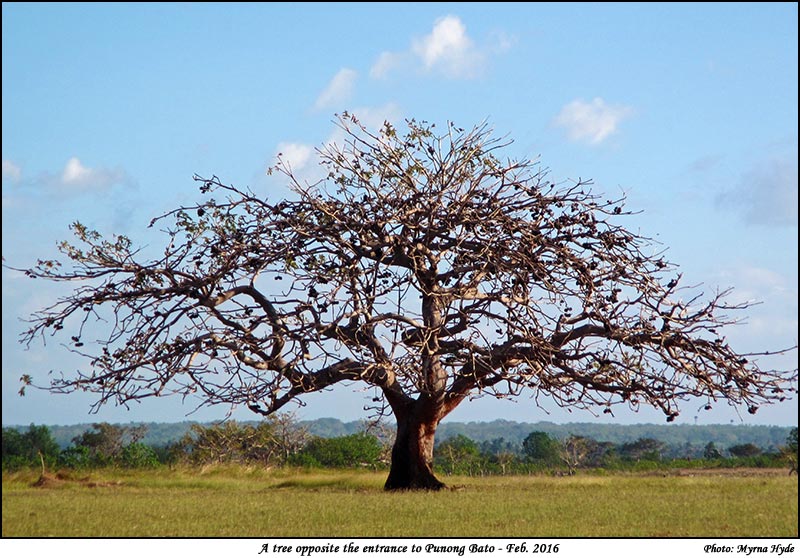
423, 264
540, 446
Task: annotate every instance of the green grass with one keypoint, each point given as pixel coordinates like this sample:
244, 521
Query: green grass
249, 502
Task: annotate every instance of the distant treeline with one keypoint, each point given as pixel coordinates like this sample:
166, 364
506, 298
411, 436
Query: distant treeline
282, 441
769, 438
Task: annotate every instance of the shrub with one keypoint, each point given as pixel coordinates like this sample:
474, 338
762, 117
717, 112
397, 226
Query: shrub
355, 450
138, 455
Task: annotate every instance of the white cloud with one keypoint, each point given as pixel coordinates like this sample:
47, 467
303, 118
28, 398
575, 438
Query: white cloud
766, 194
592, 122
296, 155
338, 90
447, 50
764, 279
11, 171
753, 284
302, 159
772, 295
76, 178
386, 61
75, 173
13, 174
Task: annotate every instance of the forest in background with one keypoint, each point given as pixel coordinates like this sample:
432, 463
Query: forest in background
769, 438
473, 449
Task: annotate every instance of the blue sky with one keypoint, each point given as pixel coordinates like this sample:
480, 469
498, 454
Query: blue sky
690, 109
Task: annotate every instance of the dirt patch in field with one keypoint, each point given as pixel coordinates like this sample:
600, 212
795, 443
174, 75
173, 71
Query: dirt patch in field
58, 480
48, 481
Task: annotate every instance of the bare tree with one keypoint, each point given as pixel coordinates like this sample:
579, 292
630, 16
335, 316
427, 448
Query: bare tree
385, 433
231, 442
289, 434
574, 451
422, 265
504, 459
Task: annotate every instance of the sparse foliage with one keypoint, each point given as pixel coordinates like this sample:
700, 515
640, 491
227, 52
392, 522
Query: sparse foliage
423, 265
288, 434
231, 442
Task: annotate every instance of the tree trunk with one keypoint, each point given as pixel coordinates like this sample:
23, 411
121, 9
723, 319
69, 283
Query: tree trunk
412, 453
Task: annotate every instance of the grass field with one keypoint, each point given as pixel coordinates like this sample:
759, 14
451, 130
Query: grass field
249, 502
